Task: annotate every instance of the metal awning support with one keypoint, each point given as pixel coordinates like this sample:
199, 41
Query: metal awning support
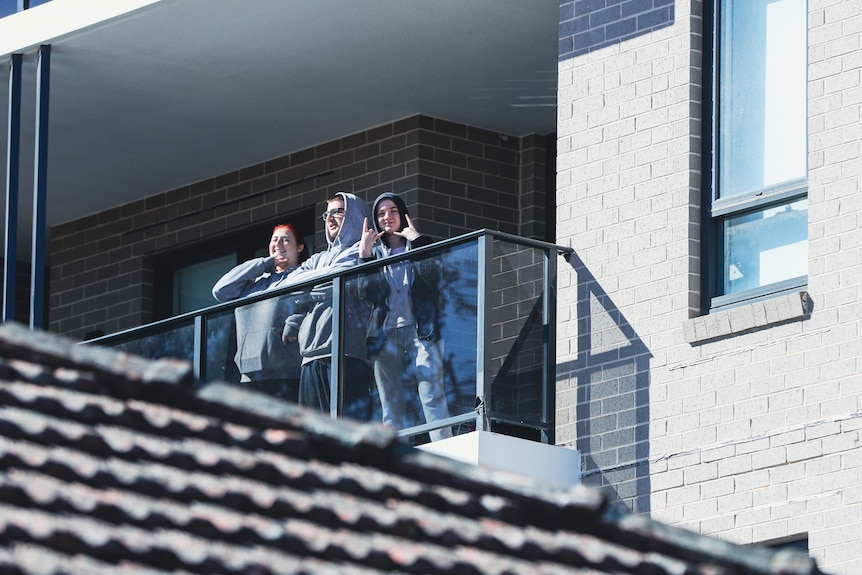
40, 188
13, 158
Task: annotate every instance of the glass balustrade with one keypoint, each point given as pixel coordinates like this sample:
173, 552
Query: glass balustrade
484, 359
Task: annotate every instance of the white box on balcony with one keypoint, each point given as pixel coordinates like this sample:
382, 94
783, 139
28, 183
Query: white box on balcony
548, 463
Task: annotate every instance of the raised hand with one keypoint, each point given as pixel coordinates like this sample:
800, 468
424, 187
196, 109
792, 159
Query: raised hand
366, 243
408, 232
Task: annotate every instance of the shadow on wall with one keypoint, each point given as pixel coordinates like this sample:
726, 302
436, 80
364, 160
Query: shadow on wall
611, 374
587, 25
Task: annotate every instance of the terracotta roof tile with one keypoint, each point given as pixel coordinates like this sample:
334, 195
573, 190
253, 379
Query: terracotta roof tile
113, 464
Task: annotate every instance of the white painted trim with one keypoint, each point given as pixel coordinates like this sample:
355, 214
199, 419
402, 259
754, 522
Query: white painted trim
47, 22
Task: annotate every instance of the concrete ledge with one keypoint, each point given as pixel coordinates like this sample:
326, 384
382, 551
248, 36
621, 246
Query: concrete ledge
551, 464
749, 317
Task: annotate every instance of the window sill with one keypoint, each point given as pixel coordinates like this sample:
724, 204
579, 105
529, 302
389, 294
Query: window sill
756, 315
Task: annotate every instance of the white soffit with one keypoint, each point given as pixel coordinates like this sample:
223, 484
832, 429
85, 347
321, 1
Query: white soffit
46, 22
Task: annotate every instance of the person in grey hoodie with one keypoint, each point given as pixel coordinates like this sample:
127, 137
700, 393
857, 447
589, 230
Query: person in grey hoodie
345, 219
403, 333
265, 361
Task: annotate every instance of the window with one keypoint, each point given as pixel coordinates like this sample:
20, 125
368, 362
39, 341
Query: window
193, 283
184, 277
8, 7
759, 206
795, 543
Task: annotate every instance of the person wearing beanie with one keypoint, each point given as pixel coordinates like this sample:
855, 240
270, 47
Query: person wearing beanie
403, 334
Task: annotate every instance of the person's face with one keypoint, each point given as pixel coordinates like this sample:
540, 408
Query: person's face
388, 217
334, 217
284, 248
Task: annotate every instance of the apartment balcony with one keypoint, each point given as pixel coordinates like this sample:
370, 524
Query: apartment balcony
497, 335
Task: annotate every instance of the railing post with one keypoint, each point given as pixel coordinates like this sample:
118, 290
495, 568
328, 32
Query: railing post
40, 188
13, 159
335, 387
549, 343
200, 347
485, 257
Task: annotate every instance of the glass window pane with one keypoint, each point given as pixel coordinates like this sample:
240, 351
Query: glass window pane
763, 98
8, 7
193, 284
766, 247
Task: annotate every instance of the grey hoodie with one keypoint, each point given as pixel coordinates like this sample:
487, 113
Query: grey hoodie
312, 322
260, 352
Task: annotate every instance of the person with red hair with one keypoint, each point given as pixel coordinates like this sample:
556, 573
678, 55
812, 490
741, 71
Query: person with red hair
266, 362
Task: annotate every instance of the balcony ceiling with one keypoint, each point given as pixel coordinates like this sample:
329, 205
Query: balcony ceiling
171, 92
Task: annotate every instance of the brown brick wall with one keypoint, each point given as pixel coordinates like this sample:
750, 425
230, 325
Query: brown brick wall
454, 178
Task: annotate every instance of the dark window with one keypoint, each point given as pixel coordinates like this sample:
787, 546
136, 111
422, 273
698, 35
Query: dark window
184, 277
758, 209
794, 544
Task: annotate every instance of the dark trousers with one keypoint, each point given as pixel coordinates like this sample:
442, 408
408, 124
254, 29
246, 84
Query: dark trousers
284, 388
360, 393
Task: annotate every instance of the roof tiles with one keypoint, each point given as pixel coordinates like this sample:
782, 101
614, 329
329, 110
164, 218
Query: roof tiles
115, 464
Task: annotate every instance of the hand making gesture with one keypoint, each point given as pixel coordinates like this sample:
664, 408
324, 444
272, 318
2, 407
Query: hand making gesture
408, 232
366, 243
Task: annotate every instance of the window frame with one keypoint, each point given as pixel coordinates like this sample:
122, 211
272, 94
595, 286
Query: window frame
244, 243
717, 210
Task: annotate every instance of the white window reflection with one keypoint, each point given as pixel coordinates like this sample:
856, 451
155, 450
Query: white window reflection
766, 247
763, 94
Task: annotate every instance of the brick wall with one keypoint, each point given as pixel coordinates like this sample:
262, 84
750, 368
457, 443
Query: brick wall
625, 200
454, 179
752, 435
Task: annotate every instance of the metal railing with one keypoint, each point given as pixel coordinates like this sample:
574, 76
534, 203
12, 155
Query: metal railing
497, 311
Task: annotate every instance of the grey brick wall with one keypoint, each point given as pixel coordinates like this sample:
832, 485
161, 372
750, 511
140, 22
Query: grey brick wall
625, 202
752, 432
454, 178
587, 25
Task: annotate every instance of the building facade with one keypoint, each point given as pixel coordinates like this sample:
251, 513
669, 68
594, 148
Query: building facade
708, 353
110, 266
740, 420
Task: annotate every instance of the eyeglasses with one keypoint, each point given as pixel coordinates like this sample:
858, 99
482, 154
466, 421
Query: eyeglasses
336, 213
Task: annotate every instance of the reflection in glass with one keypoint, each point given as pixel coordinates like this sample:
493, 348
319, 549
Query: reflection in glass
509, 287
763, 94
221, 347
766, 246
517, 364
8, 7
257, 355
440, 355
177, 342
459, 328
312, 323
